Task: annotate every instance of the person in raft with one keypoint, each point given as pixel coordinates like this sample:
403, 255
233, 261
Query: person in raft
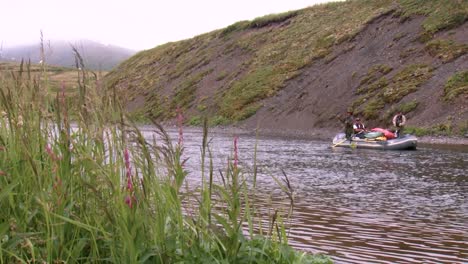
399, 121
359, 128
348, 122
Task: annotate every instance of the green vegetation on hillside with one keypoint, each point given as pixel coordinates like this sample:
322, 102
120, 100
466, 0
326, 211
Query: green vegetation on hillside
245, 93
272, 57
259, 22
263, 54
406, 81
374, 79
441, 14
406, 107
457, 85
185, 94
446, 50
439, 129
376, 95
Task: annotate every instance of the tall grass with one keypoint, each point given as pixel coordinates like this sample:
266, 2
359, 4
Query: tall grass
80, 184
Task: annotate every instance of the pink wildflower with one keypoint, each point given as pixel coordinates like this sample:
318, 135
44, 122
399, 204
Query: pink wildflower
127, 159
130, 198
128, 168
49, 150
129, 201
51, 153
129, 184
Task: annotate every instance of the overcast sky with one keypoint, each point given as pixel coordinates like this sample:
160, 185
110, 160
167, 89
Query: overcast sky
133, 24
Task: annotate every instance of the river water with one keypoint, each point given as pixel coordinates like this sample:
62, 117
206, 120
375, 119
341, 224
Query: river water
357, 206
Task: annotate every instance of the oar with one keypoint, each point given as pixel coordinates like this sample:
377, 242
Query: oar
339, 143
362, 131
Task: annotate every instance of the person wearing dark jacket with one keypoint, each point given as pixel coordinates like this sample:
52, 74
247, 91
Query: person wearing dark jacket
348, 122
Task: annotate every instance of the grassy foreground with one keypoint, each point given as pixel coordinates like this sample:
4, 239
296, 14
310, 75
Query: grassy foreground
97, 192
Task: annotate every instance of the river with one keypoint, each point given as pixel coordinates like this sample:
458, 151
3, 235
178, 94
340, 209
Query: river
357, 206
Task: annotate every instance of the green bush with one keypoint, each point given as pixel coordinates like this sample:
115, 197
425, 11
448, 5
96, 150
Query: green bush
257, 85
195, 121
441, 129
457, 85
418, 131
221, 76
234, 27
201, 107
368, 83
463, 128
247, 112
408, 107
403, 107
271, 19
185, 94
406, 81
446, 50
372, 109
440, 14
373, 87
219, 121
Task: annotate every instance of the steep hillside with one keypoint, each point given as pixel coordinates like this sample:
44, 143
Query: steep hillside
298, 70
60, 53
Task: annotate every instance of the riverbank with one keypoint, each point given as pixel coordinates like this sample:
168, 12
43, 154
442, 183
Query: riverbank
324, 134
451, 143
327, 134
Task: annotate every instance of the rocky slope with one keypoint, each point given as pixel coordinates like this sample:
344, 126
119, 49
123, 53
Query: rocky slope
296, 71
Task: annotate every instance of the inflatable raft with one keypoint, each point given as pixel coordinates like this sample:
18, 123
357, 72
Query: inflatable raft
406, 142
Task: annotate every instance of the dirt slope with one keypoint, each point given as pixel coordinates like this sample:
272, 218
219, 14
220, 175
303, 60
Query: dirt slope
296, 71
327, 87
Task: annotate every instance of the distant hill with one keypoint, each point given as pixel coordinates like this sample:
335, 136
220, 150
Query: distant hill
96, 56
298, 70
56, 76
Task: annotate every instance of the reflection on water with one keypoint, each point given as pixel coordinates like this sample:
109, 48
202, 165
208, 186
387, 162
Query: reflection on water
359, 206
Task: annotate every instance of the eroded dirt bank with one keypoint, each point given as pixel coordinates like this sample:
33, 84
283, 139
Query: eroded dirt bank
309, 103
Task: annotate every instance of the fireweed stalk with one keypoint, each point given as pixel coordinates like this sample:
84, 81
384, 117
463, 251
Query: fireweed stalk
130, 198
55, 161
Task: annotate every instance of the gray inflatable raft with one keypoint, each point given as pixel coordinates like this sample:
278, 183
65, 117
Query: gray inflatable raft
406, 142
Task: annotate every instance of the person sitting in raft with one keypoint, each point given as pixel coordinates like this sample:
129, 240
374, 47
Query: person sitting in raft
399, 121
359, 128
